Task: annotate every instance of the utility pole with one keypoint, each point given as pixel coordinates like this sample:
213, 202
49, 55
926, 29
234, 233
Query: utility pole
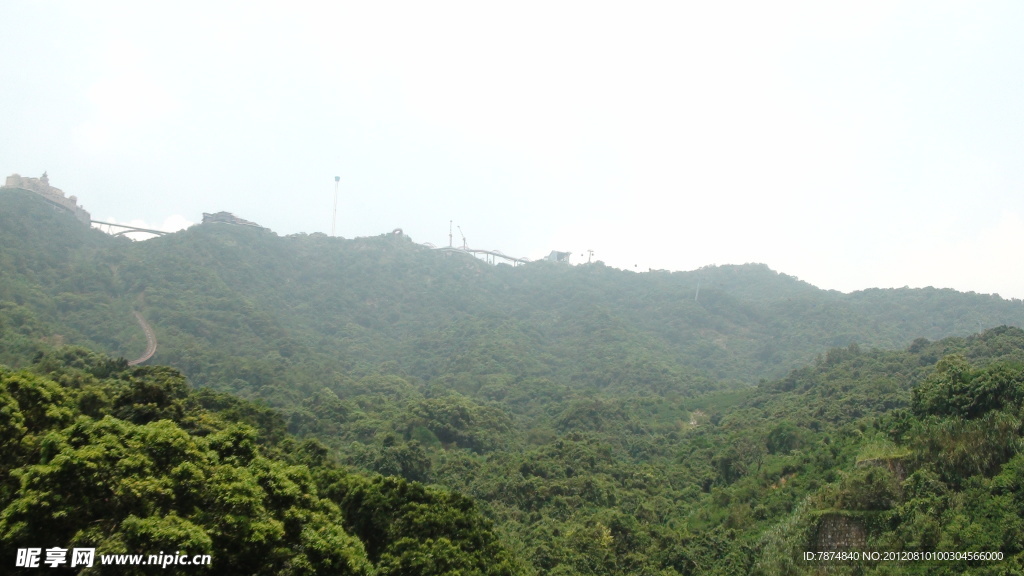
334, 218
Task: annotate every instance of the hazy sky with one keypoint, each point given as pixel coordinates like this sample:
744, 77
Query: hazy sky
852, 145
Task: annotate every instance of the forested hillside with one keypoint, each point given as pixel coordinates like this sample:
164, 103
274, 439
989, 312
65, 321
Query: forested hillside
242, 309
131, 461
720, 421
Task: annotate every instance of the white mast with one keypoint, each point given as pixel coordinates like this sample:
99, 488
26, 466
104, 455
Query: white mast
335, 217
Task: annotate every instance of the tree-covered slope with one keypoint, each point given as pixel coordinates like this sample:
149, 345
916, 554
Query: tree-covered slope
936, 485
132, 461
607, 422
97, 454
243, 309
58, 282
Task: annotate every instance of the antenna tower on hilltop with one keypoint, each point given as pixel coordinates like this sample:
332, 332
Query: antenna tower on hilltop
334, 218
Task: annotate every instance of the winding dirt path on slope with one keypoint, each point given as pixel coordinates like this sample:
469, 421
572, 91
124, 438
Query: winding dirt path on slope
150, 340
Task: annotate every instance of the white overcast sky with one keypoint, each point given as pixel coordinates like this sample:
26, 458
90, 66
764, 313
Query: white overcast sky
853, 145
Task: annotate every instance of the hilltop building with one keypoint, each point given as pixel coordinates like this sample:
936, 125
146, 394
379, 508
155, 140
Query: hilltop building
228, 218
557, 256
41, 187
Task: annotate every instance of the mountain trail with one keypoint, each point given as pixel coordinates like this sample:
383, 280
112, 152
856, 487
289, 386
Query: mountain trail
150, 340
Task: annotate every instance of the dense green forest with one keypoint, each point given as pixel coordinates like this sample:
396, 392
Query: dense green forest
375, 406
131, 460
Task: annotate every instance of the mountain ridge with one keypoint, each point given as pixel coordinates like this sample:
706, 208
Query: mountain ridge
373, 301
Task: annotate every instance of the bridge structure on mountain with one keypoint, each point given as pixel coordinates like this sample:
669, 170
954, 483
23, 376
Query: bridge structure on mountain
126, 229
490, 256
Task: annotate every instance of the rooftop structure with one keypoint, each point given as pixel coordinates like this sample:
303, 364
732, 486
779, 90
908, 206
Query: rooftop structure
41, 187
228, 218
557, 256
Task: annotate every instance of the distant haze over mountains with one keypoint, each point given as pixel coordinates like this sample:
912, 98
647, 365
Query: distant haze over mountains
227, 300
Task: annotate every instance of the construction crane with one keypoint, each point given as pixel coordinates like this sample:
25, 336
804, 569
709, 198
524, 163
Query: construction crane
464, 247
